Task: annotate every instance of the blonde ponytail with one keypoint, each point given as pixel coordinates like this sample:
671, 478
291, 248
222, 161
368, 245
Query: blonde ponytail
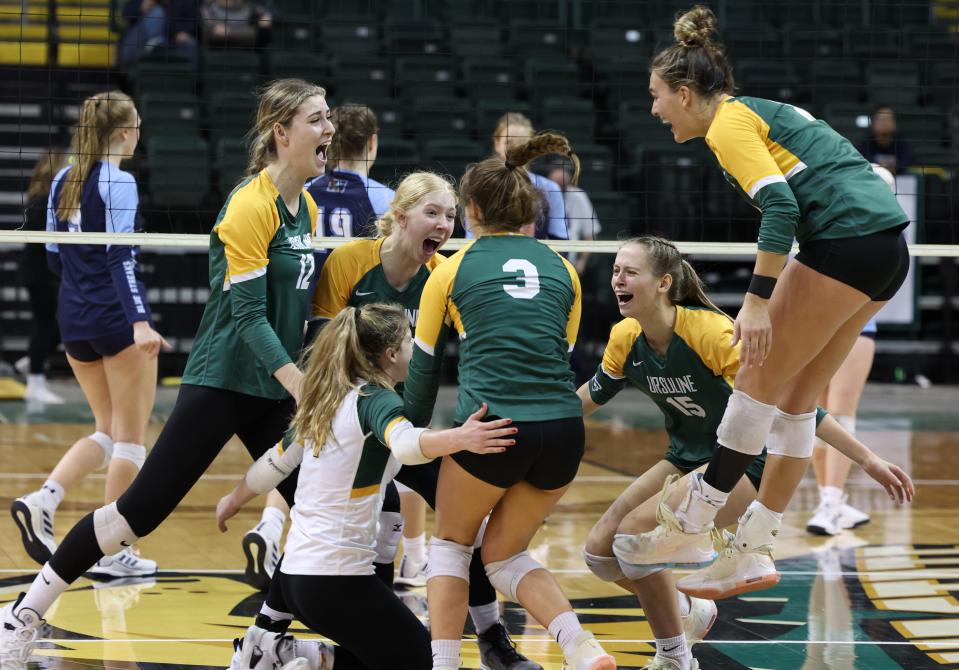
347, 349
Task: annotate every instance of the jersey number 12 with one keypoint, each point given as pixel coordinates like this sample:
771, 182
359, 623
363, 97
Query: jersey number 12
307, 266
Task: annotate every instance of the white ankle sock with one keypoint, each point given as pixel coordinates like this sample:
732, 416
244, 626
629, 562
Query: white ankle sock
565, 628
484, 616
415, 548
446, 653
37, 380
831, 494
54, 492
275, 615
46, 588
675, 648
274, 518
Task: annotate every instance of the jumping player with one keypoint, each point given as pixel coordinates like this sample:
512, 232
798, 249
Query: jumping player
811, 185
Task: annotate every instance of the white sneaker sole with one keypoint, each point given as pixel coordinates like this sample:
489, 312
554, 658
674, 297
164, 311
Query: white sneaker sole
735, 589
255, 572
23, 518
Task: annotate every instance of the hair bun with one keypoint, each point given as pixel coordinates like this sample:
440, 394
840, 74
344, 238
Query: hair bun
693, 28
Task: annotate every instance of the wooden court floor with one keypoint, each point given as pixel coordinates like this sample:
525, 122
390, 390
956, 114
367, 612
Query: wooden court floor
881, 597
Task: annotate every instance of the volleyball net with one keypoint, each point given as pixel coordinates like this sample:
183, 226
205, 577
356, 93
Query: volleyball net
440, 74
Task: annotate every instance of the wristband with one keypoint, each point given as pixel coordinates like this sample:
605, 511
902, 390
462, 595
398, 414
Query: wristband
761, 286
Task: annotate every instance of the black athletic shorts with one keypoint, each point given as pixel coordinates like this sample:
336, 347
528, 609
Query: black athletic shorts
88, 351
875, 264
546, 454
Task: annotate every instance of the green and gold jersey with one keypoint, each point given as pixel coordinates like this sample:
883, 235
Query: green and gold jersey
353, 276
809, 182
516, 305
261, 263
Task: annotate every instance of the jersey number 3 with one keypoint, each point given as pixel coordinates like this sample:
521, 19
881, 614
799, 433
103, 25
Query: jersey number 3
529, 282
307, 266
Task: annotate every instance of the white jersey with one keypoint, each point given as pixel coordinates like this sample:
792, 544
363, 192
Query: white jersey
339, 493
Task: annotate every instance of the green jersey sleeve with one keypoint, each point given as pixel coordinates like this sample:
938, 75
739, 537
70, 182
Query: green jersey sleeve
248, 305
380, 410
602, 387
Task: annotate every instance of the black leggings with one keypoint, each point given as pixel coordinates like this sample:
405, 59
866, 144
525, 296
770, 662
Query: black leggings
202, 422
423, 479
44, 331
374, 630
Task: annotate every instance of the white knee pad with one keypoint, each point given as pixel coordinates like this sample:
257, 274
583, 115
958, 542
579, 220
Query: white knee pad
637, 572
449, 559
112, 530
505, 576
792, 435
388, 533
135, 453
605, 567
746, 424
106, 443
481, 533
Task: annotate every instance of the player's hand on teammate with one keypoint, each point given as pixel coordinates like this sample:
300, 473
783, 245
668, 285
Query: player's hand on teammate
754, 329
148, 340
485, 437
891, 477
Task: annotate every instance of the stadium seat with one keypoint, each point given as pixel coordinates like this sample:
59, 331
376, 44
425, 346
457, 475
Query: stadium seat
170, 114
439, 117
174, 76
363, 77
638, 126
753, 43
489, 78
536, 10
931, 44
774, 80
179, 170
296, 33
834, 81
574, 117
942, 87
871, 43
230, 70
479, 37
414, 37
619, 40
625, 81
307, 65
232, 157
596, 167
451, 156
349, 36
953, 120
549, 77
804, 42
616, 214
923, 127
893, 83
232, 114
418, 76
394, 159
528, 38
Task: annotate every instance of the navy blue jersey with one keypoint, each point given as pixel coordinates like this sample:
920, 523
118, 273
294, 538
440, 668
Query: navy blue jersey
100, 288
349, 203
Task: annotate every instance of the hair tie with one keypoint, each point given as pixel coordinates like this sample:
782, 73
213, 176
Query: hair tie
356, 316
510, 166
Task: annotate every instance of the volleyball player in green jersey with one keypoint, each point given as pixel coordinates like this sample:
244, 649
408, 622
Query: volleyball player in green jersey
240, 375
676, 347
516, 305
796, 324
